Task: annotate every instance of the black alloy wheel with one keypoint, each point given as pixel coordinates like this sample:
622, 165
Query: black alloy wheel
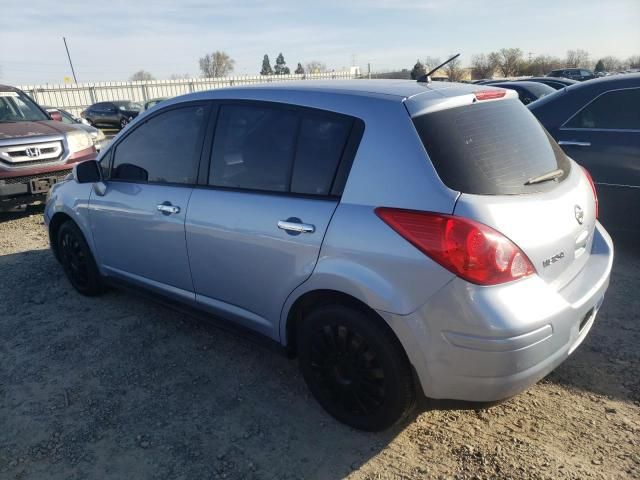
77, 261
355, 367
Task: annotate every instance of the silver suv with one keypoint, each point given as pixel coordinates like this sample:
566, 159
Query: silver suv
401, 238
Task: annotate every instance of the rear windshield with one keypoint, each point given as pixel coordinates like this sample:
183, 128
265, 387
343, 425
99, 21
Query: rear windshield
490, 148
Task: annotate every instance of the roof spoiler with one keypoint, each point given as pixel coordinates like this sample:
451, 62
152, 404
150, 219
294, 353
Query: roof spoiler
426, 78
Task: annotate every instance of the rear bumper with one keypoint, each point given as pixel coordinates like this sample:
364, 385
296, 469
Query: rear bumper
488, 343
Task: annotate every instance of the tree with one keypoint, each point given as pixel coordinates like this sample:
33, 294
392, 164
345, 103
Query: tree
578, 59
542, 64
315, 66
217, 64
141, 75
507, 61
634, 61
454, 70
266, 66
611, 64
299, 70
418, 70
482, 66
430, 63
599, 66
281, 66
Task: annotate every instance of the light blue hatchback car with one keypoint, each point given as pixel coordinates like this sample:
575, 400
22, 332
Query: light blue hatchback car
401, 238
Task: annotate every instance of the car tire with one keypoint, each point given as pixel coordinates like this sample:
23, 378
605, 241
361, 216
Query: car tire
77, 260
123, 122
355, 367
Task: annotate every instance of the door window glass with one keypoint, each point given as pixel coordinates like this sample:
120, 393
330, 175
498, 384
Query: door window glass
613, 110
164, 149
320, 145
254, 147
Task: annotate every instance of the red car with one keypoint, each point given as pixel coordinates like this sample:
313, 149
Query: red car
35, 150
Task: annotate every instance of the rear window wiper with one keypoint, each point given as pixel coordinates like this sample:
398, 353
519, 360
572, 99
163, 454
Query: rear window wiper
545, 177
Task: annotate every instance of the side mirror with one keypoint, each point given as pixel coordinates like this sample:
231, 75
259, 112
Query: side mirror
87, 172
55, 115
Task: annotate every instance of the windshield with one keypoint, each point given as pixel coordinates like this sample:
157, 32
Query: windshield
126, 105
17, 107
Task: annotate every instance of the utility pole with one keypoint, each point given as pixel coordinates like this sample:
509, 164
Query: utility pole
70, 62
369, 70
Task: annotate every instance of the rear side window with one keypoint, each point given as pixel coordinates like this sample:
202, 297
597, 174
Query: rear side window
617, 110
321, 142
254, 148
278, 149
164, 149
490, 148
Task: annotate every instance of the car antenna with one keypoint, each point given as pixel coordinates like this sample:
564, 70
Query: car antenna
426, 78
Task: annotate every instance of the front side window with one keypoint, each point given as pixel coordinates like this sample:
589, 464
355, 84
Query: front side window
164, 149
612, 110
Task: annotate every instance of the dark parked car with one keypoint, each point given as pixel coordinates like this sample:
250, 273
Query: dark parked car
598, 125
579, 74
113, 114
527, 91
554, 82
99, 139
153, 102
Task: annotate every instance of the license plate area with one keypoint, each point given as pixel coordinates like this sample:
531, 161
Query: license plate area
42, 185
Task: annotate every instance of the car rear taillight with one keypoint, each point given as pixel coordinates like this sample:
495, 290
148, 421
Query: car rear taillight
490, 94
593, 188
471, 250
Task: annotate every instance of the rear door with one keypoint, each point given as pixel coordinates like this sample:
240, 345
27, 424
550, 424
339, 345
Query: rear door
138, 223
604, 137
254, 231
494, 153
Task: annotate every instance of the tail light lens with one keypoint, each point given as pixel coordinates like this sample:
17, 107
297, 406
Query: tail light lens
471, 250
593, 188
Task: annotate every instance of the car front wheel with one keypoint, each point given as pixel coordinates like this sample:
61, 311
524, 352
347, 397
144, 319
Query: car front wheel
355, 367
77, 261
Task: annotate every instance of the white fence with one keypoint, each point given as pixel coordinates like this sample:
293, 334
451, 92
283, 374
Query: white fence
75, 97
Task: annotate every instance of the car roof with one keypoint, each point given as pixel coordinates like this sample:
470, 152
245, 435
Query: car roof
8, 88
343, 96
606, 83
553, 79
398, 89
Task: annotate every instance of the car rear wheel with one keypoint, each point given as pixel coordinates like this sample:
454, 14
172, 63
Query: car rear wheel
355, 367
77, 261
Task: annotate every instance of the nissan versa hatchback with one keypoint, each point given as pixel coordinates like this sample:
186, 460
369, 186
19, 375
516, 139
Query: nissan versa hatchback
400, 238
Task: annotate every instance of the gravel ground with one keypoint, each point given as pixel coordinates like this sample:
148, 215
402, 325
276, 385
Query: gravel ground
119, 387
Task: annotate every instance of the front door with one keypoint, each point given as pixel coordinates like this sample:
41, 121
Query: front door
254, 233
604, 137
138, 224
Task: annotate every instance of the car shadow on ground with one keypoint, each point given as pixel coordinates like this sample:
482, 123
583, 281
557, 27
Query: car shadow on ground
98, 386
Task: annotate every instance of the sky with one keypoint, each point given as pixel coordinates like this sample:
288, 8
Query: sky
111, 40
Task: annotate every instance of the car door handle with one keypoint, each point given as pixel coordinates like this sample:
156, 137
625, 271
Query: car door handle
296, 227
572, 143
168, 209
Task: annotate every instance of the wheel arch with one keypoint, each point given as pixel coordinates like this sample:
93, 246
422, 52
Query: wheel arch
316, 298
55, 223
